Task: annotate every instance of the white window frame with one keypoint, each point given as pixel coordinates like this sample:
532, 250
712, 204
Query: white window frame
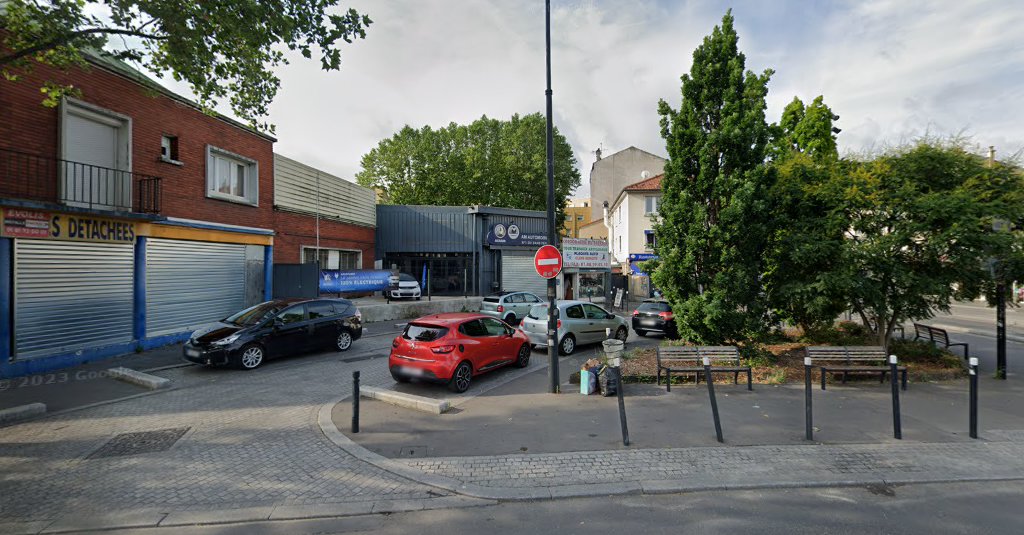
656, 201
304, 248
252, 178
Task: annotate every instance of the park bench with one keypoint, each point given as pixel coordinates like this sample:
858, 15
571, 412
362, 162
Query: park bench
852, 359
690, 359
937, 336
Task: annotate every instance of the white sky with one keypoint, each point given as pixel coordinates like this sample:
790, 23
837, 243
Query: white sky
892, 70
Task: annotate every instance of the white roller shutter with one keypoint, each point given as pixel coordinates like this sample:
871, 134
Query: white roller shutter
71, 296
519, 274
190, 283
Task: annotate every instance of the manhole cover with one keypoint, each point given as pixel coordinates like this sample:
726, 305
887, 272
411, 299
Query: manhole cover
413, 451
136, 443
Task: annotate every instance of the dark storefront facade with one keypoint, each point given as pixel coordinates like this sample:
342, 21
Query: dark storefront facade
466, 250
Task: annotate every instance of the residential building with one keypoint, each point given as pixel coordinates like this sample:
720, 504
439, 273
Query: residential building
577, 214
610, 174
632, 216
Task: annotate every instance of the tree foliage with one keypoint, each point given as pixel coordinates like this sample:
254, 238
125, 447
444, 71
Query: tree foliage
715, 213
490, 162
224, 49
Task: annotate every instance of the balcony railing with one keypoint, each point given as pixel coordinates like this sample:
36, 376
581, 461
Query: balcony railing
38, 178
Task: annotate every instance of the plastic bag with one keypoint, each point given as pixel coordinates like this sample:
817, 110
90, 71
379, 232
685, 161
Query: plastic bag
608, 381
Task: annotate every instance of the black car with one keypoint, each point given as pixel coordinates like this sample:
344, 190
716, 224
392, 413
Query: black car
273, 329
655, 315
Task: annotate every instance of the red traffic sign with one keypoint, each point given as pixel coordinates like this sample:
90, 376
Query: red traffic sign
548, 261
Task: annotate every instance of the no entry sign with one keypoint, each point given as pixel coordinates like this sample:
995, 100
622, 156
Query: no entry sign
548, 261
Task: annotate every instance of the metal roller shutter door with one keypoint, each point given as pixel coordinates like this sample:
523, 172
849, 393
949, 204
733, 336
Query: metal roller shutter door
190, 283
519, 274
71, 296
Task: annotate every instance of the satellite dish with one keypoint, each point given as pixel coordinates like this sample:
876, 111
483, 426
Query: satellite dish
644, 175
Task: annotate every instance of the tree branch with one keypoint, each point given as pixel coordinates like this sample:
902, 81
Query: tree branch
53, 43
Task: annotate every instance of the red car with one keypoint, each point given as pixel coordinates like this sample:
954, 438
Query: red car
452, 348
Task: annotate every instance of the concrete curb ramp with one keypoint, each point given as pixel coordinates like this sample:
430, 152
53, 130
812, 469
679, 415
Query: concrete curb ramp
22, 412
409, 401
134, 377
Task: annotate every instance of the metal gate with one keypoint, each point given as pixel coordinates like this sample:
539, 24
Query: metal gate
190, 283
519, 274
70, 296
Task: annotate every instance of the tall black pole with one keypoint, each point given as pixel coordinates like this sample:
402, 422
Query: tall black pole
552, 320
1000, 329
973, 397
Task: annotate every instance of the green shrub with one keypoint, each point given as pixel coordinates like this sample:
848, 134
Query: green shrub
908, 351
844, 333
757, 356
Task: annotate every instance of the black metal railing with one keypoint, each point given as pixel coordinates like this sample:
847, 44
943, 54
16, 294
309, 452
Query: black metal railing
40, 178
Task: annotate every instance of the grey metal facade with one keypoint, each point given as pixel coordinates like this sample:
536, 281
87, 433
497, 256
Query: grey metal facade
190, 283
70, 296
427, 230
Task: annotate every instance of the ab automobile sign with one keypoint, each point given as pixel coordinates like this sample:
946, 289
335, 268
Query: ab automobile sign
510, 235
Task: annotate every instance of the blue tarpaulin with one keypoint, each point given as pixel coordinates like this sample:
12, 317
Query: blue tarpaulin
356, 280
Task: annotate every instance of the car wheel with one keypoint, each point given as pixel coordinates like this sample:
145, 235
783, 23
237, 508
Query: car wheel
510, 318
640, 333
460, 380
622, 334
567, 345
344, 340
418, 297
524, 356
250, 357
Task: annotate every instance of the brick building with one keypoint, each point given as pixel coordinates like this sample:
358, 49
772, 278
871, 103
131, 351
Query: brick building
130, 217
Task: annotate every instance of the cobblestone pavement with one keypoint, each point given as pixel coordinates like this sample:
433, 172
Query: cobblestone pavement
251, 440
1000, 458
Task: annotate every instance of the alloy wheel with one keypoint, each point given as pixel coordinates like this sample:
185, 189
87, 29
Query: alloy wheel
568, 345
463, 375
524, 356
621, 334
344, 340
252, 357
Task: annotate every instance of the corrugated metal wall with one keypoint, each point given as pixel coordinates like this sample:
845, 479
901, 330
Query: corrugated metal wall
295, 189
71, 295
518, 274
191, 283
434, 229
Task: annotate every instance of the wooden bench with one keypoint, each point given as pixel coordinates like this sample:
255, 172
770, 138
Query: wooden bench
690, 359
937, 336
856, 359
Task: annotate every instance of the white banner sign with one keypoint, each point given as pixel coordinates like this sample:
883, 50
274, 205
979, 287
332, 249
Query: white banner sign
585, 253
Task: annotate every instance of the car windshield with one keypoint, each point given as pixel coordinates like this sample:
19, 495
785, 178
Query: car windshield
424, 333
653, 307
255, 314
406, 278
538, 312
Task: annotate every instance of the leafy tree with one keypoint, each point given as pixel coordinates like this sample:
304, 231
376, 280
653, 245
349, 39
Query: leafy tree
224, 49
491, 162
804, 279
715, 210
919, 229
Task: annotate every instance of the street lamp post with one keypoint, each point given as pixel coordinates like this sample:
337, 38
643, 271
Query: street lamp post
553, 381
999, 225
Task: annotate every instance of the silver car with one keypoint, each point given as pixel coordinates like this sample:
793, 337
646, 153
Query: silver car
579, 323
511, 307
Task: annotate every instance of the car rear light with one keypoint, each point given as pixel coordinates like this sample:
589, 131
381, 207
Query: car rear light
666, 315
443, 349
636, 312
501, 308
394, 343
559, 324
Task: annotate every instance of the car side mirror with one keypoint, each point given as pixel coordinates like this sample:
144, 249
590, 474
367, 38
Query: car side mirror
610, 317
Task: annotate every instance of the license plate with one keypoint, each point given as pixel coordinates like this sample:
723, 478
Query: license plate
415, 372
192, 352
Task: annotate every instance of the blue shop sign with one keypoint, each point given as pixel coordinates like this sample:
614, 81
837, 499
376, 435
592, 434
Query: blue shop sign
511, 236
640, 257
355, 280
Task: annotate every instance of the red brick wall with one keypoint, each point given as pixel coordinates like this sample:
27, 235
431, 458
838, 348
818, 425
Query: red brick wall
295, 231
27, 126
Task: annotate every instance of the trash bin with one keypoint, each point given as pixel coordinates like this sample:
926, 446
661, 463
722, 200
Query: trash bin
613, 351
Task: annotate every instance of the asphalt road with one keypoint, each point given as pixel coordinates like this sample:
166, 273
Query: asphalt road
975, 323
968, 508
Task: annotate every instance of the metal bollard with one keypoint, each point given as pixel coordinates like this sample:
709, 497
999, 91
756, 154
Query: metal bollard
355, 401
714, 402
622, 406
897, 428
808, 413
974, 396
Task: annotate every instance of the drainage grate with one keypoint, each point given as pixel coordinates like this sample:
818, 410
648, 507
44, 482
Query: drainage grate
415, 452
143, 442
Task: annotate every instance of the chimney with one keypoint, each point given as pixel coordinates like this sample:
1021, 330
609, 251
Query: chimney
598, 153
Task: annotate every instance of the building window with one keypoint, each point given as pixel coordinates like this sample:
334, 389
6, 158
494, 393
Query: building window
618, 215
579, 218
169, 149
651, 204
333, 258
231, 177
649, 241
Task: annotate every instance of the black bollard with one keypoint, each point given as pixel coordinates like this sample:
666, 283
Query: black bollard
808, 414
974, 396
714, 402
622, 406
897, 428
355, 402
